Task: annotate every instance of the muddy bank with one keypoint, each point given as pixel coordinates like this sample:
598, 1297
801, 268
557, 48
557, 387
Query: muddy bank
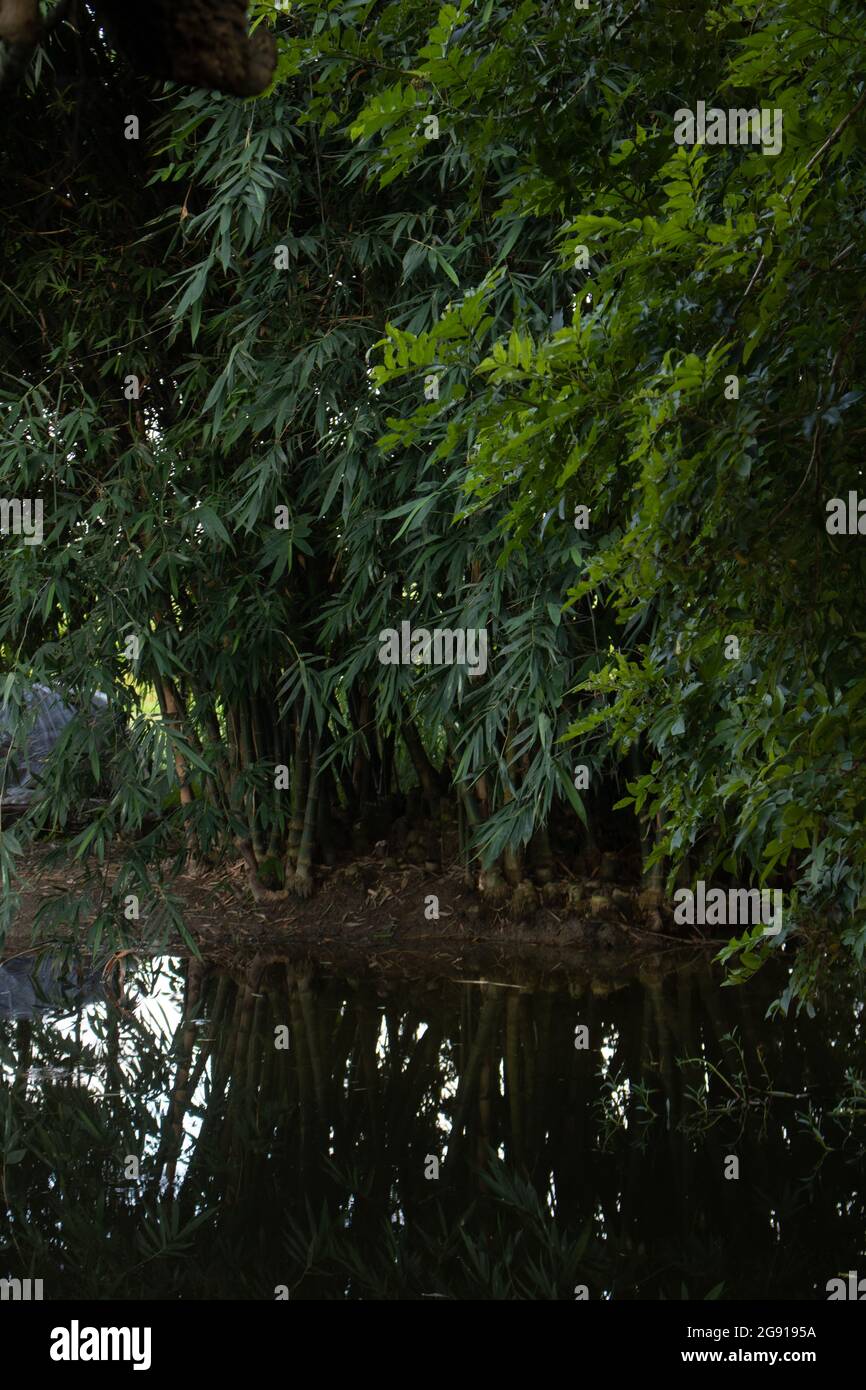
367, 903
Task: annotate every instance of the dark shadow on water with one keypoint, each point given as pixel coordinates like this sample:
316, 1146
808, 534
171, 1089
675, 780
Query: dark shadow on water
202, 1132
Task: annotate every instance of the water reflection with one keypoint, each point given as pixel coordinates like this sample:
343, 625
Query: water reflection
194, 1131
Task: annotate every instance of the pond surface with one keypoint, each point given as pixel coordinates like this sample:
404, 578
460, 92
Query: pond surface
359, 1131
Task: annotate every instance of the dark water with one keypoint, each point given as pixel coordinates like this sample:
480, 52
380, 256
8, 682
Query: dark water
157, 1142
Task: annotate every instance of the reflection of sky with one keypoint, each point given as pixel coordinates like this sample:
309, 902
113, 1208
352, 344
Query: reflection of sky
157, 993
446, 1072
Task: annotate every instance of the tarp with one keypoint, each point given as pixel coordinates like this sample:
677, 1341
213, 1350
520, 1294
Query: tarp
20, 770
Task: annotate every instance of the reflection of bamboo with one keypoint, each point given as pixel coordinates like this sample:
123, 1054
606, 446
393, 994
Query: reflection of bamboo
528, 1053
206, 1046
368, 1037
638, 1055
308, 1012
244, 1008
284, 1060
513, 1004
709, 998
685, 985
340, 1046
220, 1030
172, 1134
482, 1143
487, 1023
24, 1041
407, 1085
254, 1052
235, 1096
303, 1067
269, 1084
669, 1082
245, 1002
543, 1050
654, 989
414, 1079
113, 1071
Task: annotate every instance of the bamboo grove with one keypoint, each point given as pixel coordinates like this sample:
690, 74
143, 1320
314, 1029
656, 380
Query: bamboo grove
292, 371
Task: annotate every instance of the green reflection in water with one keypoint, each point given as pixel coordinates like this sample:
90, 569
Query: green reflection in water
304, 1167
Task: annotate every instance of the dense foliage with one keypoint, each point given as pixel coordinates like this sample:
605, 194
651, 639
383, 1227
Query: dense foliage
450, 280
